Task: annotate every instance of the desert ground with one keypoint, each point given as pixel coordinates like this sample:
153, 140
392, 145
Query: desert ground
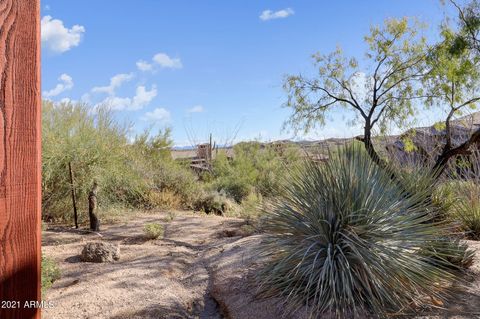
201, 268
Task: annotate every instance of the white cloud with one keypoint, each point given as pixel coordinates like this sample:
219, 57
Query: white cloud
144, 66
161, 60
116, 103
165, 61
158, 115
66, 83
115, 82
142, 98
280, 14
196, 109
57, 38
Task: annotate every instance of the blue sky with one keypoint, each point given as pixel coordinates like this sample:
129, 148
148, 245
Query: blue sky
203, 66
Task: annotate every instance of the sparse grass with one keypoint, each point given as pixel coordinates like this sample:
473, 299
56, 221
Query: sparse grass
164, 199
170, 216
50, 273
344, 238
153, 230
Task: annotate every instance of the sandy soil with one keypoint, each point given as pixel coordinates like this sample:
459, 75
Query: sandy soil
164, 278
200, 269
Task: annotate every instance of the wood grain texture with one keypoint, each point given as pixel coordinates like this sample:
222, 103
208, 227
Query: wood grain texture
20, 155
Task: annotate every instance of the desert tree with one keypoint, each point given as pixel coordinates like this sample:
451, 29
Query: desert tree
469, 26
453, 81
381, 91
453, 84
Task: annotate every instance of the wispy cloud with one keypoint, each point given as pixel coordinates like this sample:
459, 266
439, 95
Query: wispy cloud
66, 83
280, 14
196, 109
144, 66
115, 82
57, 38
165, 61
161, 60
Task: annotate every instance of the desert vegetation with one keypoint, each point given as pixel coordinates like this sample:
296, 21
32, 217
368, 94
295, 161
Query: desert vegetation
140, 173
356, 232
345, 238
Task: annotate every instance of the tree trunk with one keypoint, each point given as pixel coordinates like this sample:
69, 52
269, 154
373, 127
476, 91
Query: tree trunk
462, 149
367, 141
74, 198
92, 208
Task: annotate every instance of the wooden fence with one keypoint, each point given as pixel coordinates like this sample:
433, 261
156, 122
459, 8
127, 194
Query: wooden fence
20, 158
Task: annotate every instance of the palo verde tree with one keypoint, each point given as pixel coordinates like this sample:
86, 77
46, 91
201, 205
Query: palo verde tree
381, 91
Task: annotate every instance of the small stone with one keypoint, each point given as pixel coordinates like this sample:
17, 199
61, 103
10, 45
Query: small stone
100, 252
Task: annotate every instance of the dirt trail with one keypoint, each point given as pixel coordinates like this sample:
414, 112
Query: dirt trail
164, 278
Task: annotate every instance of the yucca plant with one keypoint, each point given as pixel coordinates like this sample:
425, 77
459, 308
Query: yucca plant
345, 238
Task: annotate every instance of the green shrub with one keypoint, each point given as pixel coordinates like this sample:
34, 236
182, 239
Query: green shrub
153, 230
460, 200
170, 217
452, 252
132, 174
97, 148
50, 273
169, 176
345, 238
214, 202
254, 168
467, 211
235, 186
446, 196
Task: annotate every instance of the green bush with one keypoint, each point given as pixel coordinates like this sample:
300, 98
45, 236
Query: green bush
460, 200
452, 252
467, 211
153, 230
345, 238
170, 217
132, 174
169, 176
50, 273
254, 168
213, 202
97, 149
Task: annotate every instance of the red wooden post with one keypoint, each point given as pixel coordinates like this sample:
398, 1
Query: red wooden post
20, 157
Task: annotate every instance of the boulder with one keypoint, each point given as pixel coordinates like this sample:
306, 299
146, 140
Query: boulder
100, 252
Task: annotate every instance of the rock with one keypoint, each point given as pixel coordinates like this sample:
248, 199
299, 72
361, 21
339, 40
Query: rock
100, 252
